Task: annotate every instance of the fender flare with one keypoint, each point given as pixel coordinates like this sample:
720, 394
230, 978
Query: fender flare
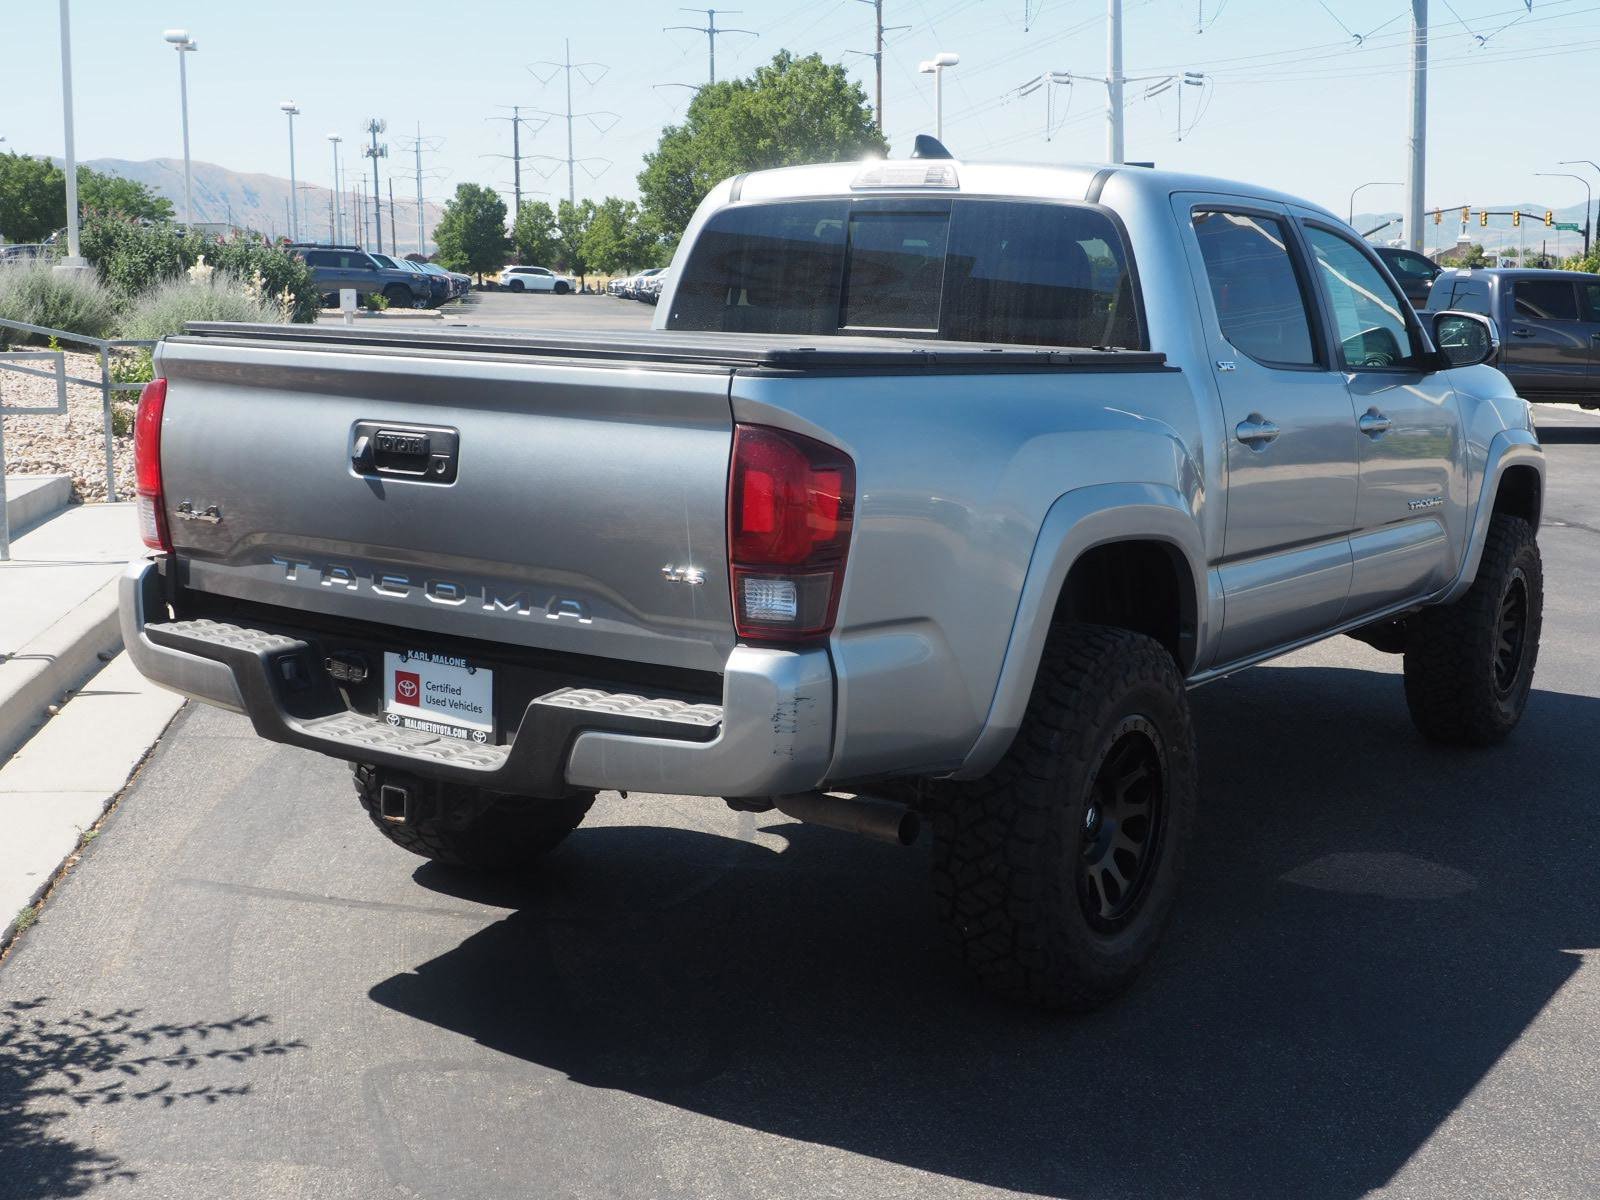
1509, 448
1077, 522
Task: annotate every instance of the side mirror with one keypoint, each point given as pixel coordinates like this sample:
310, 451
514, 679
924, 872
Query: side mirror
1464, 339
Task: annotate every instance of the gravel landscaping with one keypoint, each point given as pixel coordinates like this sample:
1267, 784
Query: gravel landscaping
70, 445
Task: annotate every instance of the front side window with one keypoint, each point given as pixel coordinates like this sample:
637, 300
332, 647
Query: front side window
1260, 305
961, 269
1369, 314
1589, 293
1545, 299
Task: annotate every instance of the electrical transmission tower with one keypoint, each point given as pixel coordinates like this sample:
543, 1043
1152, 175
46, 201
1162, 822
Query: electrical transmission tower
712, 32
876, 55
591, 73
374, 127
419, 146
516, 156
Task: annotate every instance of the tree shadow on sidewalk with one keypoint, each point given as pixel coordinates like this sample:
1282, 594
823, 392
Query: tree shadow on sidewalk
55, 1062
1358, 942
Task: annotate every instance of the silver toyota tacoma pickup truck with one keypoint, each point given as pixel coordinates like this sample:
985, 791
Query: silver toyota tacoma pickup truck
934, 489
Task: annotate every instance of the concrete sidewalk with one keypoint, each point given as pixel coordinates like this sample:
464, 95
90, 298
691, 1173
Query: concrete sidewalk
71, 732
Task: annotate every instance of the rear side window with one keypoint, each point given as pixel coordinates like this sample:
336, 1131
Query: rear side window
965, 270
1261, 306
1545, 299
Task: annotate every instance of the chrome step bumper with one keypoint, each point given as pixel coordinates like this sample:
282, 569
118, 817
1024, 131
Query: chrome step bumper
771, 735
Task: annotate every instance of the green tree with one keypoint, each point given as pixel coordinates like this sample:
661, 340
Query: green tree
114, 194
572, 228
33, 197
471, 235
617, 238
33, 202
792, 111
534, 233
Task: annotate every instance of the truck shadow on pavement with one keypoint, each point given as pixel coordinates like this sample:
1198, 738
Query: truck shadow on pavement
56, 1059
1368, 923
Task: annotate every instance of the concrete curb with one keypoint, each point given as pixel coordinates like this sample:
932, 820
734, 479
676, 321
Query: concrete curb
56, 662
32, 498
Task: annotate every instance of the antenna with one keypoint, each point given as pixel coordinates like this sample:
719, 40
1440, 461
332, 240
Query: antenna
598, 71
374, 127
711, 31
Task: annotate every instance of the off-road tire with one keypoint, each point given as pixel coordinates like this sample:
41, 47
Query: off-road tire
1011, 850
397, 296
509, 835
1460, 687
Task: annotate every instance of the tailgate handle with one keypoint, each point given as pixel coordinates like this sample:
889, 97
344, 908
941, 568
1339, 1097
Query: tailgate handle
426, 454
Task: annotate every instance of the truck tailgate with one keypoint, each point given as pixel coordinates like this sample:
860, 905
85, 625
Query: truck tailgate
584, 501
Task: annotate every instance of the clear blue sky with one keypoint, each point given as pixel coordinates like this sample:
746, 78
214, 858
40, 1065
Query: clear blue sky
1292, 99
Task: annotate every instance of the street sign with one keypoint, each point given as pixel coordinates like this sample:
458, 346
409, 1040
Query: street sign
1569, 226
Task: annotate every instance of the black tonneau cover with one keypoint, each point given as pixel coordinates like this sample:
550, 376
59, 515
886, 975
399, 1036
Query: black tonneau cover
739, 351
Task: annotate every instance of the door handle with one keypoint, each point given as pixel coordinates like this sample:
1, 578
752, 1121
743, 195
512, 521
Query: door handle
1256, 431
1372, 423
1517, 331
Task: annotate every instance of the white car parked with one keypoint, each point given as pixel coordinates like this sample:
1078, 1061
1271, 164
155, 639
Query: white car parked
536, 279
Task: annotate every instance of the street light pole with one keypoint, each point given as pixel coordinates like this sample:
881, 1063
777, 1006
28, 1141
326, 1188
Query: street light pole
1370, 183
1588, 200
73, 260
935, 66
1571, 162
291, 111
1114, 110
184, 44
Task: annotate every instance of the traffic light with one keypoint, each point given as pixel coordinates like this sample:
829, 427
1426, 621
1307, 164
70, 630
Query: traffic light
1549, 217
1438, 216
1483, 216
1466, 214
1516, 218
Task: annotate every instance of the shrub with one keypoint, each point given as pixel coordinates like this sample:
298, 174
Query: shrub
168, 307
36, 294
375, 301
132, 256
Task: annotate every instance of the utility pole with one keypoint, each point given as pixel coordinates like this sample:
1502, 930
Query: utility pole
375, 152
1417, 161
418, 145
584, 70
1114, 81
517, 122
394, 242
875, 54
711, 31
334, 197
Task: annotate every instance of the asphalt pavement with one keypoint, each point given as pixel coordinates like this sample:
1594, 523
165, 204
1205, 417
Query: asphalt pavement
1382, 979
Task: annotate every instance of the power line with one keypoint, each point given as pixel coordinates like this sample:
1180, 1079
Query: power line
591, 73
711, 31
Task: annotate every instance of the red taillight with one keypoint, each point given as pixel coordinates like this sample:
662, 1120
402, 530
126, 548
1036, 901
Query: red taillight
791, 502
147, 466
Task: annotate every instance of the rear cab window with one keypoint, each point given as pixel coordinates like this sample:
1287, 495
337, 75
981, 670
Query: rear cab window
957, 268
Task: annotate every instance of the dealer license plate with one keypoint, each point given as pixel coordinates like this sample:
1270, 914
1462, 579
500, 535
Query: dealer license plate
437, 693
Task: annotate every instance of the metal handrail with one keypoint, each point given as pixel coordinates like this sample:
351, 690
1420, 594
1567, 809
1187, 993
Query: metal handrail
103, 347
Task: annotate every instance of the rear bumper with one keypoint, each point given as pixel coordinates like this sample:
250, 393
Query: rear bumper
774, 735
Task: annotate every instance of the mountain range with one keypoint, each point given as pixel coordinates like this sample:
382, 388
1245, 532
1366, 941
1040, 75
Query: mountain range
261, 202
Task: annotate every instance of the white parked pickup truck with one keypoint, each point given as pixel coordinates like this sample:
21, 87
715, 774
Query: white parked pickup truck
933, 491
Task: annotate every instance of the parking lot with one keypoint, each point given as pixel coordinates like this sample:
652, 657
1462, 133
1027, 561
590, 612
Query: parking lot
1383, 977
